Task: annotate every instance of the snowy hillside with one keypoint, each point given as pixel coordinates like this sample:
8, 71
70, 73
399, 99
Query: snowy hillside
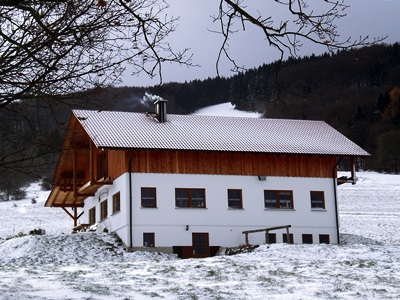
225, 110
23, 216
61, 265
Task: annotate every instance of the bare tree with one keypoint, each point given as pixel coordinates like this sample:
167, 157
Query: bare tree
53, 48
303, 22
50, 47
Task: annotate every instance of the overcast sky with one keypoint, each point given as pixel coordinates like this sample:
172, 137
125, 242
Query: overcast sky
375, 18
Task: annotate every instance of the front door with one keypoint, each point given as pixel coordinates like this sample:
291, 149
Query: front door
200, 245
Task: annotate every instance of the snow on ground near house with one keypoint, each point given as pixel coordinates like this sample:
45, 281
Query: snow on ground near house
371, 208
23, 216
60, 265
226, 110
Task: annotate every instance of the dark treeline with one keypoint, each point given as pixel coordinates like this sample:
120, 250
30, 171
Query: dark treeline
357, 92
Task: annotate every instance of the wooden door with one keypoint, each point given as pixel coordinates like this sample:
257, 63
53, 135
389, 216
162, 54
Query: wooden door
200, 244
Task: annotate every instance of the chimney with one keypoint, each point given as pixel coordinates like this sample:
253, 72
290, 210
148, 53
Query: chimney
161, 110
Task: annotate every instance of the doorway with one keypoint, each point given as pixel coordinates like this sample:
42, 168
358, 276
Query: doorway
200, 244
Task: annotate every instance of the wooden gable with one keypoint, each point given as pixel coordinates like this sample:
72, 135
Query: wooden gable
82, 168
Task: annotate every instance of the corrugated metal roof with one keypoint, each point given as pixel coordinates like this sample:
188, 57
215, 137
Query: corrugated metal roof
110, 129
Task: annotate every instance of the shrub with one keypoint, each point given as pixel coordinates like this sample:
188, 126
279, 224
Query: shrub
37, 232
18, 194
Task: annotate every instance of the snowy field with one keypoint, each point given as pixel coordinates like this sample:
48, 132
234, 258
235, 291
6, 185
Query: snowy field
61, 265
225, 110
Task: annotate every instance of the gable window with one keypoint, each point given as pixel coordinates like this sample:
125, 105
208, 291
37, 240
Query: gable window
195, 198
103, 210
148, 239
92, 216
278, 199
317, 199
235, 199
148, 197
102, 165
116, 202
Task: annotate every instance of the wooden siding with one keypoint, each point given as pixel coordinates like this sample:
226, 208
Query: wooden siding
232, 163
116, 163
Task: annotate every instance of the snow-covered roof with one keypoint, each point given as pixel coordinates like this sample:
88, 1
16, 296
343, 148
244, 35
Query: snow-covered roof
111, 129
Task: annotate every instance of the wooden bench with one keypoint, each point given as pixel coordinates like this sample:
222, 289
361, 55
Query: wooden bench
267, 230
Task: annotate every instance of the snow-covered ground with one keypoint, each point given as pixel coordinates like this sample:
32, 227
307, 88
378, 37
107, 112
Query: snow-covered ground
61, 265
225, 110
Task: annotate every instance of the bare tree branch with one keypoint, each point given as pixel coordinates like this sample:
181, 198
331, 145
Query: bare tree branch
301, 24
53, 48
62, 46
287, 35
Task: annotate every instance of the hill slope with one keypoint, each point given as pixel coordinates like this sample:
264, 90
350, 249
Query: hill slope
59, 265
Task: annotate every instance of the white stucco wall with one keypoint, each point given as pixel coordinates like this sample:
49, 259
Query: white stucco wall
117, 222
223, 224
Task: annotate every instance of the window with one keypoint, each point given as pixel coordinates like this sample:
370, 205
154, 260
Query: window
148, 239
116, 203
317, 199
148, 196
190, 198
92, 215
285, 238
278, 199
235, 199
103, 210
271, 238
200, 245
324, 239
307, 238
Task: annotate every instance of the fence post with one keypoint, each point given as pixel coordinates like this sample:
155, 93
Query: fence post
288, 235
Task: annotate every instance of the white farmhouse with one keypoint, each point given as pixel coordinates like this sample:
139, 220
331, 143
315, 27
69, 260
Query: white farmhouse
191, 184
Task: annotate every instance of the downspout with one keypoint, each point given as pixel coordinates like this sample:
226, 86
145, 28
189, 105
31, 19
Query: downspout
75, 188
334, 173
91, 175
130, 201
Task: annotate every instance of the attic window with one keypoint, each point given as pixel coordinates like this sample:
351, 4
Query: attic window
102, 165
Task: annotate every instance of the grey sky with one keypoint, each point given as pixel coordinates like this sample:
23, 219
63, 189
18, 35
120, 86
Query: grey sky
375, 18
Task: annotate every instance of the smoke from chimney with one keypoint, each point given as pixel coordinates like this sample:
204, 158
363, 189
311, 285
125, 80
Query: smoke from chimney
160, 106
150, 98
